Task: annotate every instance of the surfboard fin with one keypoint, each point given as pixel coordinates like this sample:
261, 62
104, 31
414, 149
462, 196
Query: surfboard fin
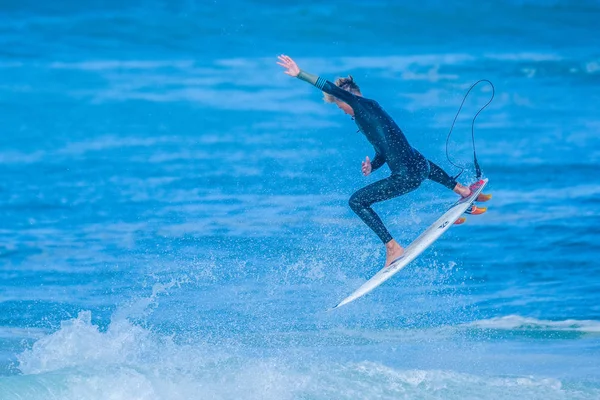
474, 210
460, 221
483, 197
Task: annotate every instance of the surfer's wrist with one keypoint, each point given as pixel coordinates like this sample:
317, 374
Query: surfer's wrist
307, 77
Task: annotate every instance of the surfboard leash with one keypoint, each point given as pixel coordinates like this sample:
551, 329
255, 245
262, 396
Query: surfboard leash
477, 167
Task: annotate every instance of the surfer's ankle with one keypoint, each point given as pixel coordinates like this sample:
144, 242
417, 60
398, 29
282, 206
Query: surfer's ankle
392, 245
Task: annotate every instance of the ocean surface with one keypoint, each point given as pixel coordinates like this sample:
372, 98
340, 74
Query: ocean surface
173, 208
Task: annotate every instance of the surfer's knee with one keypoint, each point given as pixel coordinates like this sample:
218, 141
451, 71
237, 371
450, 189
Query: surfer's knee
357, 203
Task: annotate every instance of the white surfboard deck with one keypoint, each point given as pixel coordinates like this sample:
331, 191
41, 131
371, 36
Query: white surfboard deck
421, 243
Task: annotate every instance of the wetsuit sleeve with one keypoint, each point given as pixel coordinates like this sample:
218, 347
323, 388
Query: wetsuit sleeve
329, 88
377, 162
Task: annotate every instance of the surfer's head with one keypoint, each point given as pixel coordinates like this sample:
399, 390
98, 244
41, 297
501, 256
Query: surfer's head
347, 84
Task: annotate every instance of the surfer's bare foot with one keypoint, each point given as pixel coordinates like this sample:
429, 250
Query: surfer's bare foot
393, 251
461, 190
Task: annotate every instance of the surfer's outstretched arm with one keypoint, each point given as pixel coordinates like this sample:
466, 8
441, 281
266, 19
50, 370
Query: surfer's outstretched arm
328, 87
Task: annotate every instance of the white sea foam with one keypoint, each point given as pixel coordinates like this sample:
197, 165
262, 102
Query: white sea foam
516, 322
125, 361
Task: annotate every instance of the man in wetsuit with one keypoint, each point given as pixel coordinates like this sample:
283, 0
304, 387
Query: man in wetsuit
409, 168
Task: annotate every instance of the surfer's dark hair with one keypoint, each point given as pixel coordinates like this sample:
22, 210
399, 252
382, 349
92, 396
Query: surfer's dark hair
343, 83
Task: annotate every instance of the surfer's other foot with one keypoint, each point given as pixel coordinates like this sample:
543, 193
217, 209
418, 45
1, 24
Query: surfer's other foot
393, 251
464, 191
461, 190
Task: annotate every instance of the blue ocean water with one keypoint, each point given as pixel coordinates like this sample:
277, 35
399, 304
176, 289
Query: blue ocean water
174, 207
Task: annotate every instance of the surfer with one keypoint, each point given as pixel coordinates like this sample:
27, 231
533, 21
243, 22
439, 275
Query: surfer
409, 168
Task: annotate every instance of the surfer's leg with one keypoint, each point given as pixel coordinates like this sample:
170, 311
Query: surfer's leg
385, 189
440, 176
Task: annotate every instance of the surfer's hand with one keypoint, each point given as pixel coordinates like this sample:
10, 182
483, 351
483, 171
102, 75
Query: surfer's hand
366, 166
289, 64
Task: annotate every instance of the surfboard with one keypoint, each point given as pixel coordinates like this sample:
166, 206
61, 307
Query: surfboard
422, 242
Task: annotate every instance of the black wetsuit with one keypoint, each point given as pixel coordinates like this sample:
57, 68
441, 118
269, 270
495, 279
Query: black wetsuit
409, 167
